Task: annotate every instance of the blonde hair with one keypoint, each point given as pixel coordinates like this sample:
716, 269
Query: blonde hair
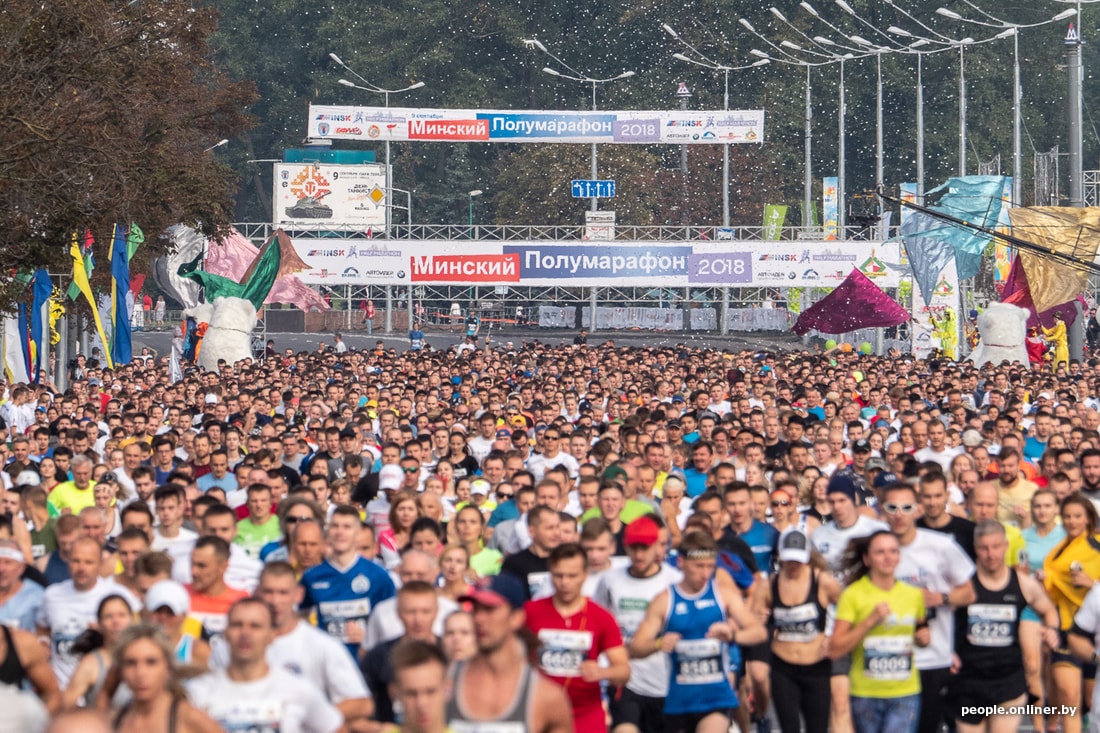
139, 632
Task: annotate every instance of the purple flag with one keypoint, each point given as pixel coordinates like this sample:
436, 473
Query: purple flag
855, 303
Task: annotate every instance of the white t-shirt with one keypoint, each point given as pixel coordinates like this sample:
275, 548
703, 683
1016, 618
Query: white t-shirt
831, 541
934, 561
628, 598
539, 464
480, 447
67, 613
384, 624
310, 653
242, 572
280, 702
943, 458
178, 548
1088, 619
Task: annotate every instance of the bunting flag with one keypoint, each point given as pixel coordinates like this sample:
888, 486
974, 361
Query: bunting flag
87, 258
121, 345
80, 280
42, 288
774, 215
854, 304
276, 258
930, 242
25, 343
134, 239
1016, 291
1070, 231
15, 363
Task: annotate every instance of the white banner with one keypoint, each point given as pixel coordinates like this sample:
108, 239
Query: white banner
401, 124
339, 197
551, 316
587, 264
936, 326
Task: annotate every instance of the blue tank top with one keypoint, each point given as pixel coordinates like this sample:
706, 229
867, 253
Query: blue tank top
698, 682
57, 570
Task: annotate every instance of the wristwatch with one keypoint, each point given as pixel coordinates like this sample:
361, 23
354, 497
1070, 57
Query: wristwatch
945, 599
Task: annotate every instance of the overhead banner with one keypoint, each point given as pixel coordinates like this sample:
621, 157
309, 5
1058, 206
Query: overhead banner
582, 264
330, 196
399, 124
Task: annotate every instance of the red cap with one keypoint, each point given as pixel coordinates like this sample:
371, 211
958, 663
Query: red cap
642, 531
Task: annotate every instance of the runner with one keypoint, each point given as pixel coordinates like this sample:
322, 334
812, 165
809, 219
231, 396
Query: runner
990, 669
638, 707
497, 689
572, 632
251, 695
695, 621
797, 597
879, 619
421, 686
345, 587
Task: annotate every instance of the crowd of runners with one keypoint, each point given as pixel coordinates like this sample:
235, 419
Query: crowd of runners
547, 538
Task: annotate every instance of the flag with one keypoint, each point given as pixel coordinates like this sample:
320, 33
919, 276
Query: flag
121, 346
15, 364
24, 344
855, 303
830, 206
232, 257
80, 280
42, 288
774, 214
1069, 231
276, 258
89, 262
133, 240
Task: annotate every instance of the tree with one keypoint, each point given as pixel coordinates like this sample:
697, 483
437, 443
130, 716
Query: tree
106, 111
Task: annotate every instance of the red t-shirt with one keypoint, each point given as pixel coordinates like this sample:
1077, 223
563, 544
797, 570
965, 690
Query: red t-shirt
566, 642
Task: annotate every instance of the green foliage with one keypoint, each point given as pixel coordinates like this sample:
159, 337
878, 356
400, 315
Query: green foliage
470, 53
105, 110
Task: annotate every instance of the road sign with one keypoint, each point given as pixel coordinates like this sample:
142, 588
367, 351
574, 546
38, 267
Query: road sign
593, 189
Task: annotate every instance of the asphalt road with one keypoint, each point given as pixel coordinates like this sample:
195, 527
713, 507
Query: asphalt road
160, 341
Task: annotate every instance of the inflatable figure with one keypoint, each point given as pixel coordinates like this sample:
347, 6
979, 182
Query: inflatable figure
1003, 329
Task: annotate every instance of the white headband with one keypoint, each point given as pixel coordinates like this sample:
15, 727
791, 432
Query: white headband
10, 553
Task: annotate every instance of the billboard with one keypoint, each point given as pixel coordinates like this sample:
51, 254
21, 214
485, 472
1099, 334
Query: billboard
325, 196
583, 264
400, 124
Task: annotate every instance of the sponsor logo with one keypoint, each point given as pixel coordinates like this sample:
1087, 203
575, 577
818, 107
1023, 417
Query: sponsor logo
811, 274
778, 258
325, 253
322, 128
348, 131
373, 131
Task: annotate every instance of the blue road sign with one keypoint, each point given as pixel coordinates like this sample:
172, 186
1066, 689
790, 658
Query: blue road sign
593, 189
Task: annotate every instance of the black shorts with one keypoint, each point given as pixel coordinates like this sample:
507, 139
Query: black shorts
983, 691
1062, 655
630, 708
688, 722
761, 652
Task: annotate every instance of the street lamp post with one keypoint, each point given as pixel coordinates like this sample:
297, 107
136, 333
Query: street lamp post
472, 194
1013, 30
584, 79
386, 92
709, 64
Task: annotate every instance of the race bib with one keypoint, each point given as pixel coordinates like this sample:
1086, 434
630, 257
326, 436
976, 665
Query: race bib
561, 652
797, 623
337, 614
630, 614
536, 582
699, 662
990, 624
887, 658
248, 716
473, 726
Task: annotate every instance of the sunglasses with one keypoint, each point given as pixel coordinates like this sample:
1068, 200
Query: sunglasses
892, 508
410, 469
294, 520
780, 503
506, 497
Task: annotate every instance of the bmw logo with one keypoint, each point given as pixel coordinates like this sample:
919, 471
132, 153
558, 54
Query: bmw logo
400, 274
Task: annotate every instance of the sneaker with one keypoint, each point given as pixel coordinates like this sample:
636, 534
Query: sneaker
764, 725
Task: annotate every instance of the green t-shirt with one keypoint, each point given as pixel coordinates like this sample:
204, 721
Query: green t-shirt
632, 509
882, 664
252, 537
487, 562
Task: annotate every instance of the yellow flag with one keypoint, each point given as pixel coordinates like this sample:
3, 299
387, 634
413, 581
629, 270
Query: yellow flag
1066, 230
80, 277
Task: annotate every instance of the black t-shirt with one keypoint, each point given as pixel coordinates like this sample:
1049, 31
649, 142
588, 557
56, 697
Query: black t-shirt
961, 529
531, 569
777, 452
377, 670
